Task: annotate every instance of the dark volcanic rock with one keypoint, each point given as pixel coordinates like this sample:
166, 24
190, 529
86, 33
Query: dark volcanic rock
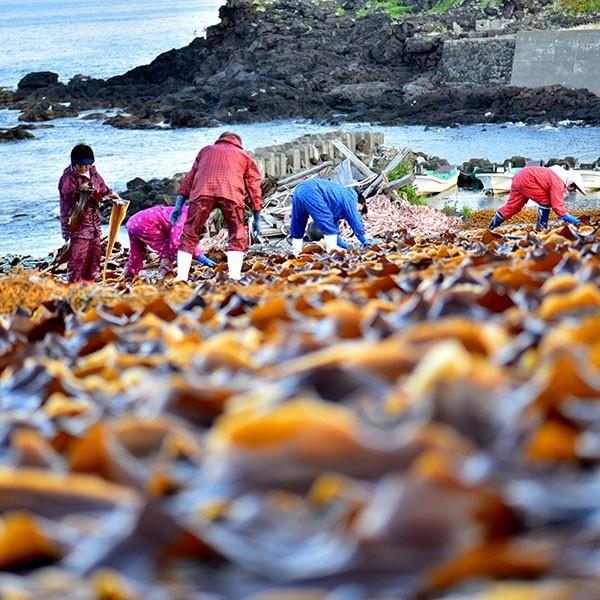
302, 58
45, 111
15, 134
37, 80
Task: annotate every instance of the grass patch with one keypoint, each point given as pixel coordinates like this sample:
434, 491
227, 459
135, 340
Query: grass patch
410, 192
581, 6
394, 8
444, 6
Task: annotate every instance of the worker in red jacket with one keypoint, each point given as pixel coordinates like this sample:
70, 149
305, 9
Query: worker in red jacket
547, 186
221, 177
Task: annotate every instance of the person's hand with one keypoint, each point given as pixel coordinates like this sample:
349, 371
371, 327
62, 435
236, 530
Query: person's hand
256, 223
342, 244
571, 219
204, 260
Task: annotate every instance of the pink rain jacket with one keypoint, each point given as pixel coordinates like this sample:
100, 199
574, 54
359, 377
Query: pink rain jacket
224, 170
68, 187
151, 228
539, 184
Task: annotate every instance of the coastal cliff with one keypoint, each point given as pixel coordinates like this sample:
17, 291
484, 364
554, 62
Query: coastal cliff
331, 60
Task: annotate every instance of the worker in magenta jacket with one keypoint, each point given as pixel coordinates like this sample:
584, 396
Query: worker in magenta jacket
152, 228
547, 186
221, 177
85, 242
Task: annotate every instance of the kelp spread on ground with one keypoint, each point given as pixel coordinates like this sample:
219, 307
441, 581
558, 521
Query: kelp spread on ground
416, 421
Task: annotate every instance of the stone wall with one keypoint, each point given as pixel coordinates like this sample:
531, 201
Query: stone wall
478, 60
567, 58
302, 153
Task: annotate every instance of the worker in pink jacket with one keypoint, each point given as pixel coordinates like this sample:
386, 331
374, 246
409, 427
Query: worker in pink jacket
84, 238
547, 186
152, 228
221, 177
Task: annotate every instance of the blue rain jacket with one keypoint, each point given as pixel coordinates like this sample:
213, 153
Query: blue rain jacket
327, 202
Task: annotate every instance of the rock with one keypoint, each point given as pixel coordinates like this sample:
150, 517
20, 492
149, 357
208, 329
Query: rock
37, 80
45, 111
15, 134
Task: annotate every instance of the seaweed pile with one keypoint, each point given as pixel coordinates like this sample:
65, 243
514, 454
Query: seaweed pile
418, 421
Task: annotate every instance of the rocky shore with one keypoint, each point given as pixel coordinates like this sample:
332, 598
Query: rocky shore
332, 60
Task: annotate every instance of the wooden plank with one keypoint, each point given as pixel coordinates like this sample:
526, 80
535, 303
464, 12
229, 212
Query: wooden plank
295, 179
398, 183
359, 164
403, 152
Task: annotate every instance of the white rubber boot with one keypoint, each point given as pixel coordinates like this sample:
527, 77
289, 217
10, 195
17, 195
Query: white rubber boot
184, 262
330, 242
296, 246
234, 263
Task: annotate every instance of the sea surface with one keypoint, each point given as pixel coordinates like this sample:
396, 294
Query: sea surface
110, 37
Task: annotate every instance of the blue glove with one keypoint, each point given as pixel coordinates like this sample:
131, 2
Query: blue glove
341, 243
572, 219
256, 223
204, 260
180, 201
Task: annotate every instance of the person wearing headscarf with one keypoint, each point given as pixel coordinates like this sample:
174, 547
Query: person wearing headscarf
80, 215
547, 186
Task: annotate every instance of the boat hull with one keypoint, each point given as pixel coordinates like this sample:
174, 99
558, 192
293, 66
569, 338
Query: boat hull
430, 184
591, 178
496, 183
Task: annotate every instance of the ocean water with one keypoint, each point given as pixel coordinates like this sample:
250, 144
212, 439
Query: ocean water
112, 37
99, 39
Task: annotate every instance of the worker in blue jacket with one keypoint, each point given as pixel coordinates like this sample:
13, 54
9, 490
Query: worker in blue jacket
327, 202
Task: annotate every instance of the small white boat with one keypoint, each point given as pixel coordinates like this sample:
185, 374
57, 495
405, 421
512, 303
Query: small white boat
591, 178
497, 182
429, 181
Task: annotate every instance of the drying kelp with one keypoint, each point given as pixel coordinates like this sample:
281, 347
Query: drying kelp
419, 420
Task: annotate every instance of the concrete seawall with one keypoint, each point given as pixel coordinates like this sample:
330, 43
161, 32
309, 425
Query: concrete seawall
567, 58
528, 59
284, 159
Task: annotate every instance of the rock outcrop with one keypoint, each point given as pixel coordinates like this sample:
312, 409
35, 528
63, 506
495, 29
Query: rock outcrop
330, 60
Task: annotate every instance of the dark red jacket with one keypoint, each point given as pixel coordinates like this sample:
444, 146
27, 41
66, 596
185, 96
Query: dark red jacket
224, 170
68, 186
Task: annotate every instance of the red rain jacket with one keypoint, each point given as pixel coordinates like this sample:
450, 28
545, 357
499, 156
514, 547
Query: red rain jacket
539, 184
68, 186
224, 170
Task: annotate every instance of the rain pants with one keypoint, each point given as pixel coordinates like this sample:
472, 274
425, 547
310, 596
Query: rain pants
86, 247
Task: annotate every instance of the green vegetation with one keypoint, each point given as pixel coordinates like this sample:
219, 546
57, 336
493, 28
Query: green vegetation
580, 6
340, 11
444, 6
361, 13
466, 212
410, 192
394, 8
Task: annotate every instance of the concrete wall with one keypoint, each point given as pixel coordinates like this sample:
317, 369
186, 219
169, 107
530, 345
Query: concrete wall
304, 152
568, 58
478, 60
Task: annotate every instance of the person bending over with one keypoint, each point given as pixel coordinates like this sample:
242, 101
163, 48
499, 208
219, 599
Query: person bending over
152, 228
547, 186
327, 202
221, 177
